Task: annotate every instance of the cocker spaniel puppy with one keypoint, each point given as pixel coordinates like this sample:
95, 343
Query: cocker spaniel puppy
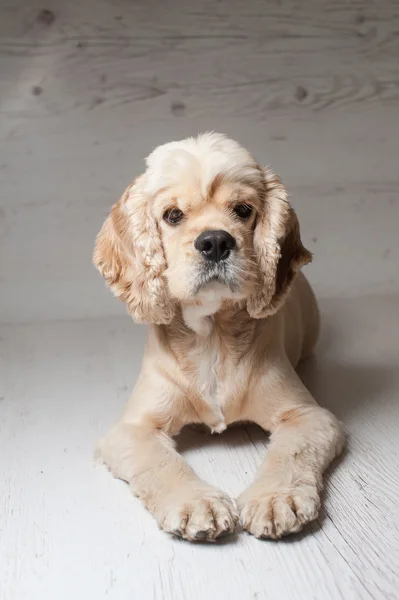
205, 247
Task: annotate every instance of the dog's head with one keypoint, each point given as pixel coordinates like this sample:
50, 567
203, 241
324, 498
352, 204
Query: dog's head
204, 214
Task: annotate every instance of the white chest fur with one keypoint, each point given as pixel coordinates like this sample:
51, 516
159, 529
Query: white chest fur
199, 317
206, 357
207, 360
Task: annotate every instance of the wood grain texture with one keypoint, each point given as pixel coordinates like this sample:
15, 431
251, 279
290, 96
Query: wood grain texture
68, 530
86, 91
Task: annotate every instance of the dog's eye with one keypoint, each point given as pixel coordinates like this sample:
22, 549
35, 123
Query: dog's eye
173, 216
244, 211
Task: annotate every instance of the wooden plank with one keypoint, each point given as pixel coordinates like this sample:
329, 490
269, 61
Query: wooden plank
88, 89
70, 530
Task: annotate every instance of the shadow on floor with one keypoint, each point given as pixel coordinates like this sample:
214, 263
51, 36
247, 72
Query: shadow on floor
237, 435
344, 388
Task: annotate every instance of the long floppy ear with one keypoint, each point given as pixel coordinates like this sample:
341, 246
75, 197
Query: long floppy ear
130, 256
278, 248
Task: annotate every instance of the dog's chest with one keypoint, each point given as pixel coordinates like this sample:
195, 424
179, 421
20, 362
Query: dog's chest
213, 379
209, 373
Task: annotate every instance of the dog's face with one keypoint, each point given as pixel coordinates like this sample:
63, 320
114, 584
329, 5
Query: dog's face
204, 215
208, 237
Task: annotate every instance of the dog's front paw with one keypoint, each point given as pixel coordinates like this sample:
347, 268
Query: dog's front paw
271, 514
200, 516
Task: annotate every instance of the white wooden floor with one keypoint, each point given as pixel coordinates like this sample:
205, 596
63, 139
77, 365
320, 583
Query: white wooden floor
86, 90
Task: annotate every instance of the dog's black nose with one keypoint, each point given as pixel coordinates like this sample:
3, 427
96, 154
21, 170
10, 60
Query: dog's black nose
215, 245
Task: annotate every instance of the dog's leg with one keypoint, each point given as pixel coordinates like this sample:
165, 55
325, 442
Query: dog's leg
182, 503
305, 438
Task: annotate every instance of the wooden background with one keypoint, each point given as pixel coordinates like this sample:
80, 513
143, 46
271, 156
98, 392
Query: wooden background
87, 89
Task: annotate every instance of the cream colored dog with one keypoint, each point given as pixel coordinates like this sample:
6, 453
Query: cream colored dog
206, 248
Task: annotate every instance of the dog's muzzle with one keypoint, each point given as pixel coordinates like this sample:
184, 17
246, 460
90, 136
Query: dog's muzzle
220, 262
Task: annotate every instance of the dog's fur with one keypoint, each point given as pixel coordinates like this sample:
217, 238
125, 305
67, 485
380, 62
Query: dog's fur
223, 343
